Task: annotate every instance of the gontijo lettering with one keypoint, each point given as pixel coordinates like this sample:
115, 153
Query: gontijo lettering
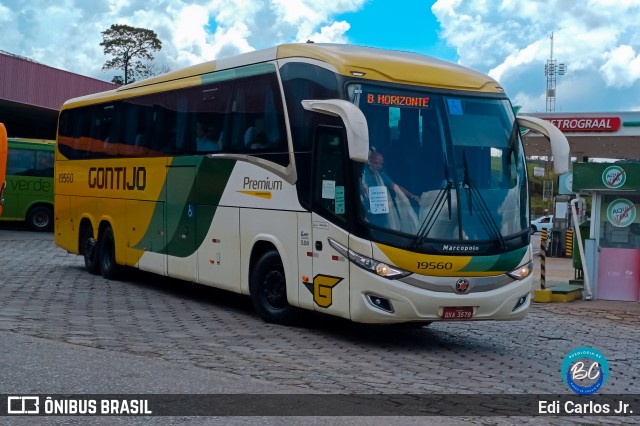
128, 178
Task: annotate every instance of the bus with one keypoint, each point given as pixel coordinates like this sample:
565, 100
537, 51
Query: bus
28, 192
3, 163
252, 174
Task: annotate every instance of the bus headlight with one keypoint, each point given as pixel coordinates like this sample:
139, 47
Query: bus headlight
522, 272
371, 265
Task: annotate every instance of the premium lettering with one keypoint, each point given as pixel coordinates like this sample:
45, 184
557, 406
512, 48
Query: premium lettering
124, 178
262, 184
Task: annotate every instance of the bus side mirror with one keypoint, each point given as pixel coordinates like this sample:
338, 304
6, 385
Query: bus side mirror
354, 122
558, 141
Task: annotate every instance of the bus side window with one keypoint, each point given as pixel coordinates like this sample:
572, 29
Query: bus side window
44, 164
329, 187
257, 116
20, 162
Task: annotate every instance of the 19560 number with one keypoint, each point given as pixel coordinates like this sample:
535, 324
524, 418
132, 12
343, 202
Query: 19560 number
65, 177
435, 265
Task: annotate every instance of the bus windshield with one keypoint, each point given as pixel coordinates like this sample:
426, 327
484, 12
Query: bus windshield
442, 166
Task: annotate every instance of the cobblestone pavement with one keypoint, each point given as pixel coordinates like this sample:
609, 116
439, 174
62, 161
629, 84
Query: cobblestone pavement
46, 293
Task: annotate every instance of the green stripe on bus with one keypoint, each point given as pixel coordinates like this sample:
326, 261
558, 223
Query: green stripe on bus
230, 74
499, 263
196, 185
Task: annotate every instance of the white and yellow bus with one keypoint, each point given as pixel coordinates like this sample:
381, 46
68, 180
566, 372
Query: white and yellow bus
251, 174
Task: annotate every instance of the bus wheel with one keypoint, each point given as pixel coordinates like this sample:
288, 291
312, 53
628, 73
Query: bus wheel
40, 218
107, 255
89, 250
268, 289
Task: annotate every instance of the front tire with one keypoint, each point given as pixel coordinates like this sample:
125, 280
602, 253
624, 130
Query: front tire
107, 255
40, 218
268, 289
533, 229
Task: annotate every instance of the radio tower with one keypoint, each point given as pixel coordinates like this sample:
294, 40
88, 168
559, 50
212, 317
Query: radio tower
551, 70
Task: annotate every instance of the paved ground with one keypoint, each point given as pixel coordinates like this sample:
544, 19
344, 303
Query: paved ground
50, 301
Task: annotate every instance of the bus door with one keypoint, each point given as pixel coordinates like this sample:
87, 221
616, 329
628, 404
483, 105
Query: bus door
180, 223
329, 220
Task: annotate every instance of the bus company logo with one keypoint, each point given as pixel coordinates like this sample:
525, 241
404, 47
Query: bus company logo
322, 289
462, 286
614, 177
124, 178
585, 370
621, 213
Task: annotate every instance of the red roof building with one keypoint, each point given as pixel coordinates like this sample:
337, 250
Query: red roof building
31, 95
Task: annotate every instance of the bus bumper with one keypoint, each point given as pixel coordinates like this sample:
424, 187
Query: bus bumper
426, 299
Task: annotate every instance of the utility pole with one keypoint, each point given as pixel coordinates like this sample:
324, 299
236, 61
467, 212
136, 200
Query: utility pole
551, 70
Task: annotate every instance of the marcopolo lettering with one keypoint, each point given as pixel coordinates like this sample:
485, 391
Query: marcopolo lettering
459, 248
125, 178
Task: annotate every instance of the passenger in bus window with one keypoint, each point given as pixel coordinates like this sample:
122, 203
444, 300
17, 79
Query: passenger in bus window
205, 138
387, 203
255, 137
375, 168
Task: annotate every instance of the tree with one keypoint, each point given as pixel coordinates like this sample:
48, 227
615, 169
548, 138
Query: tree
129, 46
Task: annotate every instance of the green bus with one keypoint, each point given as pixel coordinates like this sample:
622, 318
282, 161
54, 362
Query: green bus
28, 195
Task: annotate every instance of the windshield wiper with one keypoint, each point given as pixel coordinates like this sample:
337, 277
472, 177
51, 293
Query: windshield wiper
434, 212
486, 218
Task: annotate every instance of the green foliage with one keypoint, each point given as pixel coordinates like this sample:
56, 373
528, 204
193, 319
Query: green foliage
129, 46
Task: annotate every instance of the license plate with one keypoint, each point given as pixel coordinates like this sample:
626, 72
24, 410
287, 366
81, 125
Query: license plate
457, 313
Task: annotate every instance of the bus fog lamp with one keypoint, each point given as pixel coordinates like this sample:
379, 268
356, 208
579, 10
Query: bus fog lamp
521, 301
379, 302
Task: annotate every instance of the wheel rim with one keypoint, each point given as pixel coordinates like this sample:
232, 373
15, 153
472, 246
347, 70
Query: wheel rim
274, 289
41, 220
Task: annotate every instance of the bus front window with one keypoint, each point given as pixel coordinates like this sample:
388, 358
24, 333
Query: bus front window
441, 167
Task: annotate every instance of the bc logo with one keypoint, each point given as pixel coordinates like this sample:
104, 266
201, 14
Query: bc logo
322, 289
585, 370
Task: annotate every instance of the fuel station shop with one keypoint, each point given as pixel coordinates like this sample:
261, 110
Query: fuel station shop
605, 148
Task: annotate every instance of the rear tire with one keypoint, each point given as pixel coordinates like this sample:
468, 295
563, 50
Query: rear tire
40, 218
89, 250
268, 288
107, 255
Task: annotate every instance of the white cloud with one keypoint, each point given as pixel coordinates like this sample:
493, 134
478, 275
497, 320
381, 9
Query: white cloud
66, 33
596, 39
622, 67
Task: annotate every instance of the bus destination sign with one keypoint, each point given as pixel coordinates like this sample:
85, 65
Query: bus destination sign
396, 100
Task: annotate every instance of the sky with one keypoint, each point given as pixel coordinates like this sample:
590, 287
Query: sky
509, 40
